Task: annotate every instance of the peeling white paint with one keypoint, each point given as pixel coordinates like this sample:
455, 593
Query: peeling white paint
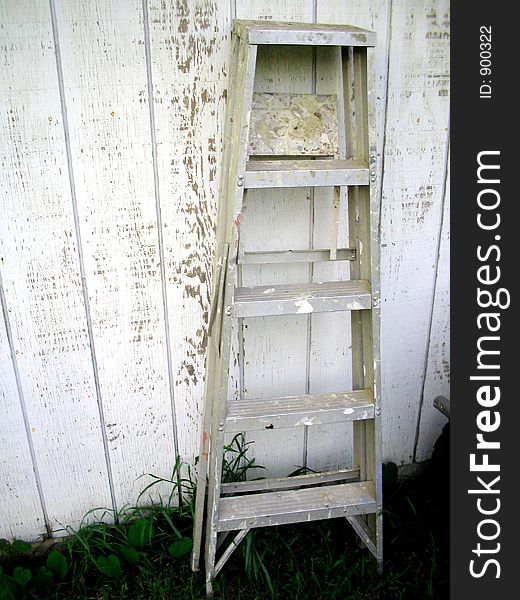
355, 305
304, 307
306, 421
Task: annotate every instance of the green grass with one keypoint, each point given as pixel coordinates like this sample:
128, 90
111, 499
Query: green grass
320, 560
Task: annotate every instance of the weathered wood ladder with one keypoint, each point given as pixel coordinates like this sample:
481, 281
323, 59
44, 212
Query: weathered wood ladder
339, 152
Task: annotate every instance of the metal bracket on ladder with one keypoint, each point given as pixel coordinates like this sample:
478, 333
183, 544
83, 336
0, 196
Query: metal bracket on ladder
342, 157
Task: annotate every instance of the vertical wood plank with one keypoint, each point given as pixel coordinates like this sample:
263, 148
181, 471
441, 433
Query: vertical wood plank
189, 51
21, 511
414, 167
105, 82
276, 350
437, 374
41, 276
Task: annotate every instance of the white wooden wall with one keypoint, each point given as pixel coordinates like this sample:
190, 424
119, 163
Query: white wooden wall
110, 143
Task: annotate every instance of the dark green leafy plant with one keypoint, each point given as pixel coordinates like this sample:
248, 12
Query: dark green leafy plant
180, 547
13, 550
131, 555
140, 533
139, 536
22, 576
44, 578
20, 547
57, 565
7, 586
26, 573
109, 565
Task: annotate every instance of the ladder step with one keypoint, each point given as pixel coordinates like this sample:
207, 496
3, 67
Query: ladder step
296, 411
295, 506
301, 298
288, 483
272, 32
305, 173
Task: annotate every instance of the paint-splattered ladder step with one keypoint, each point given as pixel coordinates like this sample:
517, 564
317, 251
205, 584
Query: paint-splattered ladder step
305, 173
296, 411
301, 298
302, 34
295, 506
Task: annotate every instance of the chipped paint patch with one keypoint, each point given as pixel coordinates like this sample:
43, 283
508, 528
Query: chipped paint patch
304, 307
355, 305
360, 37
306, 421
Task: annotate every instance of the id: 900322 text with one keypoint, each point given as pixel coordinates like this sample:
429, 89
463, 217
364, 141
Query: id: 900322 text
485, 56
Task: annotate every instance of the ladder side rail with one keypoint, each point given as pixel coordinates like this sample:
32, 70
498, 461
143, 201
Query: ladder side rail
364, 220
211, 356
375, 268
352, 125
237, 164
364, 231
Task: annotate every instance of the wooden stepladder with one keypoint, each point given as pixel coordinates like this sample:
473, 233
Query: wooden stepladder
337, 151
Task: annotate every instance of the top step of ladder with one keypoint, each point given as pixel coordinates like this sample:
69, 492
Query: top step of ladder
302, 34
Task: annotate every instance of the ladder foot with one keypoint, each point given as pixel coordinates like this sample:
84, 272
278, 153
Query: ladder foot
195, 564
211, 549
380, 567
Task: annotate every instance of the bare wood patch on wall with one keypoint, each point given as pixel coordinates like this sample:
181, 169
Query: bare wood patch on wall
189, 53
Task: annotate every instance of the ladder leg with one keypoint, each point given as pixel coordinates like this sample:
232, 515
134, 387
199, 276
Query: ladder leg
354, 146
370, 526
375, 436
212, 358
219, 396
211, 532
200, 492
246, 61
205, 443
363, 231
213, 372
379, 543
375, 473
211, 551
